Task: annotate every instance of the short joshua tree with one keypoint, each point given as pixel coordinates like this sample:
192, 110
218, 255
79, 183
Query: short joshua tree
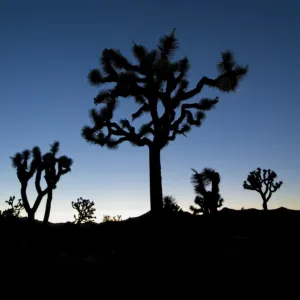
48, 164
85, 210
263, 183
208, 200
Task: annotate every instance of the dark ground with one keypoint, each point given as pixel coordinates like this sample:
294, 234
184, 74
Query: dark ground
239, 248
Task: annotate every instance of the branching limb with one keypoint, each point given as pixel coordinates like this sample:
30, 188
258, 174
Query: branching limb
140, 111
181, 96
126, 132
205, 104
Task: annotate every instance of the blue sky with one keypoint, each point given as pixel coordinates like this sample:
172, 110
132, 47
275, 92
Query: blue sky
48, 47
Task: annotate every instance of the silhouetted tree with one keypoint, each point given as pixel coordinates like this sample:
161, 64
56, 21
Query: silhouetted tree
208, 200
170, 204
85, 209
256, 181
155, 79
52, 168
15, 209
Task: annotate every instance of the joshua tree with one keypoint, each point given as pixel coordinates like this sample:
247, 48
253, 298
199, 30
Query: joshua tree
170, 204
256, 181
53, 169
155, 79
85, 209
14, 209
208, 201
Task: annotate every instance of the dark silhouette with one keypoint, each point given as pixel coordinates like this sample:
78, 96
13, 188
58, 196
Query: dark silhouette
107, 218
53, 169
170, 204
235, 240
256, 181
156, 79
208, 201
14, 210
85, 209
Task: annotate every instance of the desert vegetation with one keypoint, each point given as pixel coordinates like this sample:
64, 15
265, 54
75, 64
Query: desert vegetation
52, 169
85, 210
155, 78
208, 201
263, 183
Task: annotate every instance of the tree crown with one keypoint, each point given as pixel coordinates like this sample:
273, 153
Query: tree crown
156, 77
263, 182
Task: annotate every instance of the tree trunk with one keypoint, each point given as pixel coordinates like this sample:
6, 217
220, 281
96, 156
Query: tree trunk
48, 206
156, 201
25, 202
265, 205
31, 215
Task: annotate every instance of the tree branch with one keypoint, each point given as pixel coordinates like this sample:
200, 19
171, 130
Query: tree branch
24, 197
90, 134
39, 200
268, 191
140, 111
38, 180
145, 129
203, 81
204, 105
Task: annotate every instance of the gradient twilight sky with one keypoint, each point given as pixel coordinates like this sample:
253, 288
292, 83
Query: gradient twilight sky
48, 47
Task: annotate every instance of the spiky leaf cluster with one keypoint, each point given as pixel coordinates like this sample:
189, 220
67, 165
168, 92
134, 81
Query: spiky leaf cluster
47, 162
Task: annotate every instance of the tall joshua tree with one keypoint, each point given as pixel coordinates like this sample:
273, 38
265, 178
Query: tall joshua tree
49, 165
263, 183
208, 200
156, 78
